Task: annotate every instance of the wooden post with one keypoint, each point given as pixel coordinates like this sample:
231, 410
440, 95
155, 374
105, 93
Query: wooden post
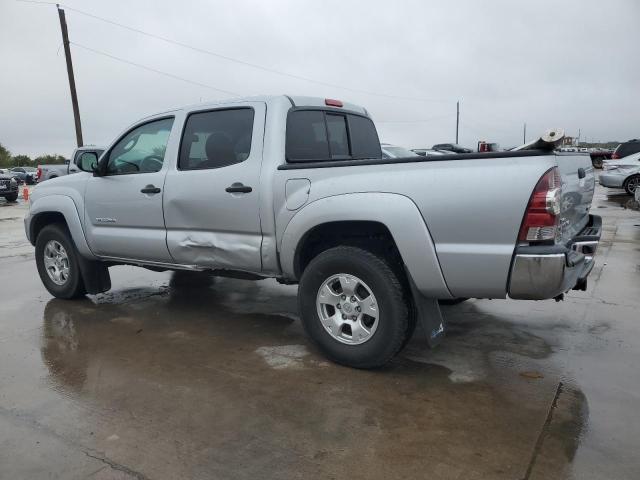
72, 82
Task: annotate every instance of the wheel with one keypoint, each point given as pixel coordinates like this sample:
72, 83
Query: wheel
11, 198
597, 162
354, 307
452, 301
57, 262
631, 183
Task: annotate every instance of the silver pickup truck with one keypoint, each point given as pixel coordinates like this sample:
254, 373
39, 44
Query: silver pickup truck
81, 159
296, 188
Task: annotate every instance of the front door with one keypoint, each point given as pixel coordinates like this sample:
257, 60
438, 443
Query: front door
123, 207
212, 198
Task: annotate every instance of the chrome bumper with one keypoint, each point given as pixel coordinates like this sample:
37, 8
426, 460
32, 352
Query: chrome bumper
540, 273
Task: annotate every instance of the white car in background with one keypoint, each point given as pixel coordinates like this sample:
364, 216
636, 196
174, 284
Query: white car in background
622, 173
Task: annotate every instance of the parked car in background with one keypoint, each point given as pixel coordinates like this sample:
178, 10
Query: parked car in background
297, 189
599, 156
429, 152
452, 147
8, 186
394, 151
622, 173
625, 149
83, 155
28, 175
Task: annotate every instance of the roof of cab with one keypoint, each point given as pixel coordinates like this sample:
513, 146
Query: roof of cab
295, 100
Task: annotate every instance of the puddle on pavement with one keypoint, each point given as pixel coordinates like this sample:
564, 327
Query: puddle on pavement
623, 200
222, 345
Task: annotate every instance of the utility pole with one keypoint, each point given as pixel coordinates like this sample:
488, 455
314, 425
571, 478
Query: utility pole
457, 119
524, 134
72, 82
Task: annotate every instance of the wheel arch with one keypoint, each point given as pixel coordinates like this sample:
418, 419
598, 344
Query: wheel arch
625, 184
386, 216
57, 209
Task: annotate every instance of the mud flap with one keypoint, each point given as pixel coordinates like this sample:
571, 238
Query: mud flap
429, 315
95, 275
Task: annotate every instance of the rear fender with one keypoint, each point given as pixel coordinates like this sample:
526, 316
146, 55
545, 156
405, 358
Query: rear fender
397, 212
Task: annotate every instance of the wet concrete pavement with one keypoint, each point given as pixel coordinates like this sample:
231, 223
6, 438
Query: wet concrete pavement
170, 377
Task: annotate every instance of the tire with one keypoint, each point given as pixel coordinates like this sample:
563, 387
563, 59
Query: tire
11, 198
393, 323
596, 162
73, 285
452, 301
631, 183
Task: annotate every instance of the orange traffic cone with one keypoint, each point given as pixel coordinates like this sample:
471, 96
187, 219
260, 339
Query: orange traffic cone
25, 193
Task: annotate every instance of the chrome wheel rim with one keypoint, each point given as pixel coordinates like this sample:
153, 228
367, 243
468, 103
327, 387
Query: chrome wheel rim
56, 262
633, 184
347, 309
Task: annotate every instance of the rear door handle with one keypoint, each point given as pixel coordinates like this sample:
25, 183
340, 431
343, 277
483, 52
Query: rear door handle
238, 187
581, 173
150, 189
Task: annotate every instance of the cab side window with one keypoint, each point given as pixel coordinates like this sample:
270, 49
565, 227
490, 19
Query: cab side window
141, 150
216, 139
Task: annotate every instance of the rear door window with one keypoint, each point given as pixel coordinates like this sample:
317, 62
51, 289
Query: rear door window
216, 139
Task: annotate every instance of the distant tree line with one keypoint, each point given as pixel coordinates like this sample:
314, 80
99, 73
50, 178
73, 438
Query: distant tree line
7, 160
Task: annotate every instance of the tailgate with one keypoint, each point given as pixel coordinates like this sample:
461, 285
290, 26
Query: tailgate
578, 184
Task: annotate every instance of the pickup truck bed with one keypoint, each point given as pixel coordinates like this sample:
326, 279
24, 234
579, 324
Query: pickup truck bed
296, 188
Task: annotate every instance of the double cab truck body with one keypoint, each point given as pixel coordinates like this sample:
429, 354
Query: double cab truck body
296, 188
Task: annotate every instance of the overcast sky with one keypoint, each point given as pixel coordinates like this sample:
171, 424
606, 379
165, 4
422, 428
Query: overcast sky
570, 64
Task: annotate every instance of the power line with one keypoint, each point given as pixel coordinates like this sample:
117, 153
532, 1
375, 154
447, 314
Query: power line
166, 74
235, 60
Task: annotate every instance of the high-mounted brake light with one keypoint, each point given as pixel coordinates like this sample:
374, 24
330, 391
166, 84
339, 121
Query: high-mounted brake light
541, 220
333, 103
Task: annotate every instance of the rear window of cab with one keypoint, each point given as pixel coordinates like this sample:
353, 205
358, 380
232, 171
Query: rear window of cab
315, 135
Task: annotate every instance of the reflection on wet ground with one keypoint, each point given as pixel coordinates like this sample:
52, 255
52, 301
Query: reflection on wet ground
189, 376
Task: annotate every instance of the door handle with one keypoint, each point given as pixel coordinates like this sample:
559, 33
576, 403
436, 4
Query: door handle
238, 187
150, 189
581, 173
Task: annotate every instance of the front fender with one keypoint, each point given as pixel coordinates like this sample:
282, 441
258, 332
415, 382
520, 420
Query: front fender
397, 212
64, 205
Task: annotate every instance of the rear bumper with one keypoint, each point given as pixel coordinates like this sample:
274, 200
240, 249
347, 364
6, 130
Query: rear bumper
543, 272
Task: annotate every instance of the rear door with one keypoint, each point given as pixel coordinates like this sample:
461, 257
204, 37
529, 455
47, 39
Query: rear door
212, 198
123, 207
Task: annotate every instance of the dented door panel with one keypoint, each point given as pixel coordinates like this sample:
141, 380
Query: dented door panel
211, 224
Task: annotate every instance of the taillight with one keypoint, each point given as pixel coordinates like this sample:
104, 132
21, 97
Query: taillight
541, 220
39, 174
615, 156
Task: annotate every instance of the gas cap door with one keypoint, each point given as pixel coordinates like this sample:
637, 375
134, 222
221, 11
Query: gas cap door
296, 191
